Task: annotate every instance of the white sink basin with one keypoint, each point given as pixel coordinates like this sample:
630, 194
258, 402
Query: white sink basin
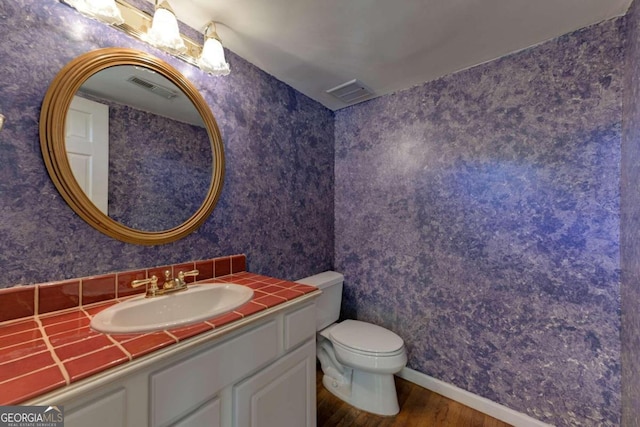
198, 303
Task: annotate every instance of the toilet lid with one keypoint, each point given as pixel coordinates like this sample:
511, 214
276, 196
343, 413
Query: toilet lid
365, 337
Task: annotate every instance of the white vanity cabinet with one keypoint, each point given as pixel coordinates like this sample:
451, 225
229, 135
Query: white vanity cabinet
260, 374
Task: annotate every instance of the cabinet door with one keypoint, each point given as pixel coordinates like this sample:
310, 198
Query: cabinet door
105, 411
282, 394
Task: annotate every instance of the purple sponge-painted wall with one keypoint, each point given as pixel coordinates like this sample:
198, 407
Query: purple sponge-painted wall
477, 216
630, 225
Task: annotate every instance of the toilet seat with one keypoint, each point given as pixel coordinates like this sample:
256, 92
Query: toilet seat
355, 351
366, 339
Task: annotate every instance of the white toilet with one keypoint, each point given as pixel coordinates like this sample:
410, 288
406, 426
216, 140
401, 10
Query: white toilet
358, 359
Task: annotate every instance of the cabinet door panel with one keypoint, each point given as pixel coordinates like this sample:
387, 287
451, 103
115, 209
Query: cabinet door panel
106, 411
299, 326
282, 394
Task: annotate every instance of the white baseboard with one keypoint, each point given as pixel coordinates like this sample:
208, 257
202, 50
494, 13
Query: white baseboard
471, 400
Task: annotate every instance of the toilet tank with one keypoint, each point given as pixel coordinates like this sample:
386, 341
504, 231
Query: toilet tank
327, 304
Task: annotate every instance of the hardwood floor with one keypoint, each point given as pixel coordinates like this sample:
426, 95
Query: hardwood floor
418, 408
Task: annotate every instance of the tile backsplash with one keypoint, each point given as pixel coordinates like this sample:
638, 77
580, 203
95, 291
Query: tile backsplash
24, 301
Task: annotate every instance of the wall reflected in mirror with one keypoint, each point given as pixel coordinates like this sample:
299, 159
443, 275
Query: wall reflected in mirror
138, 148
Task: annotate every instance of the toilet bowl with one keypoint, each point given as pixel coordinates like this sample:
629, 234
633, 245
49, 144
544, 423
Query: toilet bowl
358, 359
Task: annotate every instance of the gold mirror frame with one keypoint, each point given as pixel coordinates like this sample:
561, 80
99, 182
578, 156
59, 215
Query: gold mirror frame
52, 142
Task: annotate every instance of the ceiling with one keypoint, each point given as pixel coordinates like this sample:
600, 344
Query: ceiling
142, 89
388, 45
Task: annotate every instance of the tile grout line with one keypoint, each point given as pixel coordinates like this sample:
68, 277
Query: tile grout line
26, 374
36, 301
44, 350
71, 359
9, 347
51, 348
110, 338
172, 336
116, 290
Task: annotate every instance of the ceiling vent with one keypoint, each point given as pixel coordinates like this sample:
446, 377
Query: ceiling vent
351, 92
152, 87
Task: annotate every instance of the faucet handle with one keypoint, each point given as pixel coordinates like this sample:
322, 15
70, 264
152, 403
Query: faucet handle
183, 274
152, 290
153, 281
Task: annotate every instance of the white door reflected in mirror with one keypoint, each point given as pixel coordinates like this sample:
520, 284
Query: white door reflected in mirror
87, 144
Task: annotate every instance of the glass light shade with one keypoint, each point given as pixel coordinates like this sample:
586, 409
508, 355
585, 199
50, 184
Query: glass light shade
212, 58
102, 10
164, 32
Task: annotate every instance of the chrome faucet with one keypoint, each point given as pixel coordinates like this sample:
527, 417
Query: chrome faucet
170, 285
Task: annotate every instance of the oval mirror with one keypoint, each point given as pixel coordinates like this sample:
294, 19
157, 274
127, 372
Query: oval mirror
132, 146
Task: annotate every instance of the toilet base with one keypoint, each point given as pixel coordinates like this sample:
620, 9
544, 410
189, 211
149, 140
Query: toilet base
374, 393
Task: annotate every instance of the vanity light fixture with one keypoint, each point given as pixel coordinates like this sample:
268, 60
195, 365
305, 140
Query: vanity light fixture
212, 58
102, 10
160, 31
164, 32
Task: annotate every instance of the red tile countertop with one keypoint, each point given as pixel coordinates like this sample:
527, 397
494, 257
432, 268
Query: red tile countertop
47, 351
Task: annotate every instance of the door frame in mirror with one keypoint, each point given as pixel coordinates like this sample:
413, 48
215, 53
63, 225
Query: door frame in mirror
52, 142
